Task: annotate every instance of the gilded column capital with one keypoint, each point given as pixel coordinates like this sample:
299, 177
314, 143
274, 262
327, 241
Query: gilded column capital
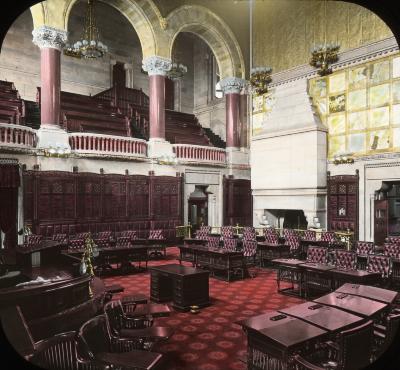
156, 65
232, 85
49, 37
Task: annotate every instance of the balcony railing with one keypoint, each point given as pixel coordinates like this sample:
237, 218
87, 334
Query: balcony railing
197, 153
17, 136
107, 144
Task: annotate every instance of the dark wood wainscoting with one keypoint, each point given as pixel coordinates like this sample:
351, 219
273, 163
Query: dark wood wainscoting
238, 202
342, 203
65, 202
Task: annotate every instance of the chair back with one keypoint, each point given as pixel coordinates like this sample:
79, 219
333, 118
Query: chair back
287, 232
212, 241
115, 314
156, 234
230, 244
391, 250
272, 238
123, 241
83, 235
201, 234
76, 244
269, 231
380, 264
227, 232
364, 248
206, 229
317, 255
393, 240
292, 240
104, 235
310, 235
345, 259
392, 327
249, 233
32, 241
355, 347
132, 234
95, 336
62, 238
58, 352
328, 236
249, 248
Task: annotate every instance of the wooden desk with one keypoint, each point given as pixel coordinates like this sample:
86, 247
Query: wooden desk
325, 317
185, 286
371, 292
288, 270
341, 276
267, 252
358, 305
271, 343
316, 276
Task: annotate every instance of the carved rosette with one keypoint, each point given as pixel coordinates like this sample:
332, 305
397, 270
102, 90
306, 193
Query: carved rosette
49, 37
155, 65
232, 85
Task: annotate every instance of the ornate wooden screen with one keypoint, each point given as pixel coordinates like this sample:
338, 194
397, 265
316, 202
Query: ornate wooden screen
238, 202
56, 201
342, 203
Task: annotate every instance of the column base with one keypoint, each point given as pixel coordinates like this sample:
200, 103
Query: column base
52, 137
237, 156
160, 149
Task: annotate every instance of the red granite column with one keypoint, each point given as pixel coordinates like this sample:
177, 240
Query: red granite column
51, 41
243, 135
157, 106
232, 120
157, 68
50, 75
231, 87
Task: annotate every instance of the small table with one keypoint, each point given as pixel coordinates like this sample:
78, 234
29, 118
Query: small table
185, 286
288, 270
271, 342
359, 305
371, 292
325, 317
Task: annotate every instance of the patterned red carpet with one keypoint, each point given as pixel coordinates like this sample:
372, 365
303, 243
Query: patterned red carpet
210, 340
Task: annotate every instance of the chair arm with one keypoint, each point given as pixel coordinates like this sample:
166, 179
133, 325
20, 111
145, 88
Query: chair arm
301, 363
379, 334
380, 328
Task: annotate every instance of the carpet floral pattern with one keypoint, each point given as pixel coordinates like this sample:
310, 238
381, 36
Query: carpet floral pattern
210, 340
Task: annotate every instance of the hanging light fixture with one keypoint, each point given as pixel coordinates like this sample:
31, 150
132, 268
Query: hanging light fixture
259, 79
178, 69
90, 46
323, 55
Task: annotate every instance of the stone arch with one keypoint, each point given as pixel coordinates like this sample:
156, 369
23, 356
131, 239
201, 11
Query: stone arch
213, 30
142, 14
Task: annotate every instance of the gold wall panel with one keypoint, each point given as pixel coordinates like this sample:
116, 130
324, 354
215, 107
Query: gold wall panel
284, 31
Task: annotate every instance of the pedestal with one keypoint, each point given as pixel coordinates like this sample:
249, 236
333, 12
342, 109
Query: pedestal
53, 137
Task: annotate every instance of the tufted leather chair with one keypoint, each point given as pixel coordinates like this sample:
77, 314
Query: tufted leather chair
32, 241
364, 248
131, 234
230, 244
156, 234
201, 234
103, 239
226, 232
83, 235
123, 241
310, 235
61, 238
293, 240
391, 250
249, 233
345, 259
212, 241
205, 228
381, 264
329, 236
393, 239
317, 255
272, 238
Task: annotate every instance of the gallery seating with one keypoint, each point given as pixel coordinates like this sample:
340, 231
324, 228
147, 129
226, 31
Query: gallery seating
351, 350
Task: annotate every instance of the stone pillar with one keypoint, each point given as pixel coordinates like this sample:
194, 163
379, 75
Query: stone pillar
51, 41
231, 86
157, 68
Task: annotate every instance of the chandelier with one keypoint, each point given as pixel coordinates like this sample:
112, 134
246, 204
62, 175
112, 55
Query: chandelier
323, 55
177, 71
260, 78
90, 46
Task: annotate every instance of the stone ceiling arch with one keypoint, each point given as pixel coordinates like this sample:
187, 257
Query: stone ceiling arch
142, 14
211, 29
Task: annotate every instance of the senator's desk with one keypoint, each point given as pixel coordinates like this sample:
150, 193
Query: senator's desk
191, 241
288, 270
325, 317
316, 276
341, 276
267, 251
222, 263
371, 292
270, 343
361, 306
184, 286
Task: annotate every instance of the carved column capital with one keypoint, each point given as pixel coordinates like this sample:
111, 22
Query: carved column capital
156, 65
49, 37
232, 85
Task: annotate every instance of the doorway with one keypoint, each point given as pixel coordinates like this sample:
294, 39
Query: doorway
198, 207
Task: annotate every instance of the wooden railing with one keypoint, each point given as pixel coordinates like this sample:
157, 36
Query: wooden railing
107, 144
17, 136
197, 153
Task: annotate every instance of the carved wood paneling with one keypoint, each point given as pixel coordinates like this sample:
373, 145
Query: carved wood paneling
238, 206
